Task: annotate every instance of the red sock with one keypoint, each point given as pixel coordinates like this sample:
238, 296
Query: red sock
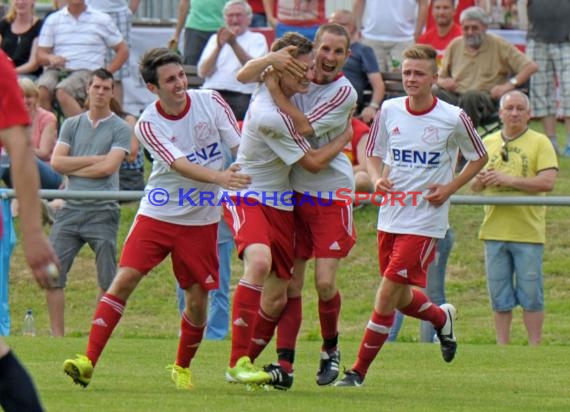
263, 330
244, 310
329, 312
190, 338
375, 335
107, 315
288, 328
289, 324
422, 308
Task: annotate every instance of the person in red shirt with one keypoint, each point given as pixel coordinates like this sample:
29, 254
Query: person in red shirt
460, 5
445, 28
18, 392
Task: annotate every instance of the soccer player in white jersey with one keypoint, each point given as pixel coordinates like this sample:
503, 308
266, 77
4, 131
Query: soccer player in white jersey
412, 152
324, 230
183, 130
263, 223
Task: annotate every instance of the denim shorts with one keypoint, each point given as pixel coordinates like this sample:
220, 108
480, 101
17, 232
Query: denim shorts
514, 275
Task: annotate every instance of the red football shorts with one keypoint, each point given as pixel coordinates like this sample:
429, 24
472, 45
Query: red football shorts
405, 258
265, 225
323, 230
193, 250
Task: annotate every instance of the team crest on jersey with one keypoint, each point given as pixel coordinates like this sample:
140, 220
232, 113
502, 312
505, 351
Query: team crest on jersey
430, 135
201, 133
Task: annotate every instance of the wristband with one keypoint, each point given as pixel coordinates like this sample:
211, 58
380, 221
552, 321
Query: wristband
375, 106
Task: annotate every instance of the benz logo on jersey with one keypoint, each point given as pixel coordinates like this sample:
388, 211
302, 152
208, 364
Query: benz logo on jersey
206, 154
416, 157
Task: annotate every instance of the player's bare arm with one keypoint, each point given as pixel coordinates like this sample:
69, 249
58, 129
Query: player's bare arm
378, 172
438, 194
316, 160
228, 179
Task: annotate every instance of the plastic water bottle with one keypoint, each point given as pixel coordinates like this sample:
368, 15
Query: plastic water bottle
29, 327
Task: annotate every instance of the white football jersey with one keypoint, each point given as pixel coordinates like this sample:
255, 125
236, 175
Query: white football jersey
268, 147
328, 108
195, 134
421, 149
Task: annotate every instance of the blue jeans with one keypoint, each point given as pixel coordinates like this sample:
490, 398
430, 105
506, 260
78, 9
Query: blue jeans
435, 290
514, 275
49, 178
219, 299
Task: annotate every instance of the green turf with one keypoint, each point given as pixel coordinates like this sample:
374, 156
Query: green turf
131, 376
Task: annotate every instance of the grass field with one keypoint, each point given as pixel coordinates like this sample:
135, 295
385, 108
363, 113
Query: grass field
407, 376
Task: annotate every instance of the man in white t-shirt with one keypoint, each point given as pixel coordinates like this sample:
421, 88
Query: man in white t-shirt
264, 222
72, 43
390, 26
412, 150
227, 51
183, 130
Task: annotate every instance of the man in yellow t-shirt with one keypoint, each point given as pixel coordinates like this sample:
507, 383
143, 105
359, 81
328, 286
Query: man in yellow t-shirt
521, 162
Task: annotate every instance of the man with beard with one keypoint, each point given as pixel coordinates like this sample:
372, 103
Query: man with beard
478, 68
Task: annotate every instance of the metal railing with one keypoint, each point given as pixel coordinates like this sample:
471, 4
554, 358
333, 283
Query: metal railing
455, 199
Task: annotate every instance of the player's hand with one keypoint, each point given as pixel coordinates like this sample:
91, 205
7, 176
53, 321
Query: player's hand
383, 184
284, 62
231, 179
40, 255
438, 194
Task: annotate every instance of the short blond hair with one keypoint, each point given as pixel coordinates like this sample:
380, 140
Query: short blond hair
422, 52
28, 87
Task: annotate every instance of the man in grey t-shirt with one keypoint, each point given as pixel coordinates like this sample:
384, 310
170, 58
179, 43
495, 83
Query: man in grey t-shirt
90, 149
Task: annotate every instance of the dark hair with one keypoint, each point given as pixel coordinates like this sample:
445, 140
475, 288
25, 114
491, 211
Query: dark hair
103, 74
421, 52
155, 58
291, 38
333, 28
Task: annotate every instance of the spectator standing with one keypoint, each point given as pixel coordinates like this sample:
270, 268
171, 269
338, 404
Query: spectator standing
479, 67
225, 54
521, 162
121, 11
361, 68
89, 151
19, 32
18, 391
301, 16
548, 45
73, 42
183, 130
460, 5
389, 27
444, 30
407, 232
200, 19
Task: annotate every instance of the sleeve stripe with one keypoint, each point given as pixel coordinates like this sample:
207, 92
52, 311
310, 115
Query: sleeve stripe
227, 110
372, 135
475, 139
148, 135
338, 99
297, 138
